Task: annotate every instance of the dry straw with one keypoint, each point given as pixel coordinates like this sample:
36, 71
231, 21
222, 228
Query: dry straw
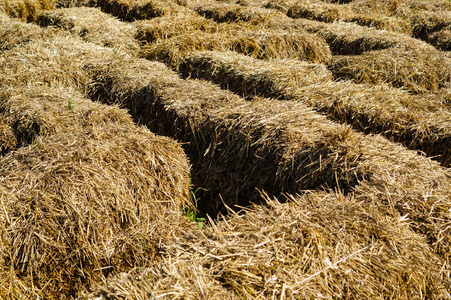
87, 197
26, 10
315, 245
93, 26
352, 39
131, 10
420, 122
88, 191
166, 27
251, 77
415, 71
280, 146
260, 44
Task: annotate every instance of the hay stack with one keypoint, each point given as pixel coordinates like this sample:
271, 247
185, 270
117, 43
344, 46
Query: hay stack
93, 26
131, 10
26, 10
315, 245
418, 72
221, 12
318, 10
13, 32
281, 5
54, 58
261, 44
86, 198
420, 122
381, 22
250, 77
352, 39
166, 27
384, 7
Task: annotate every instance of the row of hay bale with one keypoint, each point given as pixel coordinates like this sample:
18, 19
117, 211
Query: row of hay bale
234, 146
84, 192
317, 245
420, 122
278, 146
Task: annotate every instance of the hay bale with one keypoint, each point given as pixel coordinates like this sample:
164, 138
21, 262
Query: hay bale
261, 44
13, 32
418, 72
250, 77
384, 7
93, 26
281, 5
221, 13
131, 10
382, 22
315, 245
352, 39
54, 58
419, 122
318, 10
26, 10
85, 199
166, 27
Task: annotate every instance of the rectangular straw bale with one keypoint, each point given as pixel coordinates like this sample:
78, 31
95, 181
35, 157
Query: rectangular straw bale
221, 12
424, 23
250, 77
418, 72
14, 32
54, 58
381, 7
420, 122
166, 27
281, 5
92, 194
131, 10
261, 44
318, 10
381, 22
26, 10
352, 39
315, 244
92, 25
